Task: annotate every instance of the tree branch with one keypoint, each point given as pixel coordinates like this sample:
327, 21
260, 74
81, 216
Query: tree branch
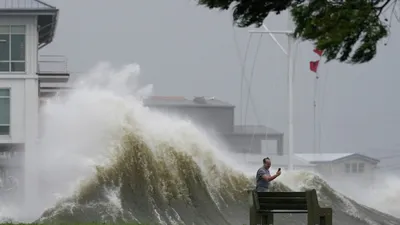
380, 8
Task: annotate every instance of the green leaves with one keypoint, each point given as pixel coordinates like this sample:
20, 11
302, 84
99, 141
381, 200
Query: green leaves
221, 4
248, 12
347, 31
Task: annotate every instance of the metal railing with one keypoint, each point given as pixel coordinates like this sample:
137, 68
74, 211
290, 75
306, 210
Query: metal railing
23, 4
52, 64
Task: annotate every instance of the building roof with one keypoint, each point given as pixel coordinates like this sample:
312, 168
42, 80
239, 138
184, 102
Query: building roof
255, 129
46, 16
322, 157
24, 4
332, 157
180, 101
277, 160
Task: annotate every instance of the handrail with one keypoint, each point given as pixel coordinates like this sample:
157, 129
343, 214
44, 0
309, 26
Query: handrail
52, 64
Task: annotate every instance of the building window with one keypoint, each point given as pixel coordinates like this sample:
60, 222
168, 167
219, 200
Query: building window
5, 112
347, 168
361, 167
12, 48
354, 167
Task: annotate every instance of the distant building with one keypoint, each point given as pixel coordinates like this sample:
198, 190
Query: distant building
340, 165
218, 116
209, 112
243, 135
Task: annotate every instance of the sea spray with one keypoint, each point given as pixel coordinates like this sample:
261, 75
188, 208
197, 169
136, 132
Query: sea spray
383, 192
94, 106
106, 157
166, 169
153, 180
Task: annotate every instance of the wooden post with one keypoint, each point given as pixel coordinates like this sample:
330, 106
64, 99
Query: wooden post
255, 219
312, 215
325, 216
329, 217
270, 219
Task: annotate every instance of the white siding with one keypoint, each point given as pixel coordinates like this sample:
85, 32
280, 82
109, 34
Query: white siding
24, 86
245, 143
220, 119
338, 170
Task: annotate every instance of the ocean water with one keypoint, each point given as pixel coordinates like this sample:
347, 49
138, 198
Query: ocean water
105, 157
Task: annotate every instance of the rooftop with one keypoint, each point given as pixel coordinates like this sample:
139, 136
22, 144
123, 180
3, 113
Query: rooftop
24, 4
165, 101
330, 157
255, 129
322, 157
277, 160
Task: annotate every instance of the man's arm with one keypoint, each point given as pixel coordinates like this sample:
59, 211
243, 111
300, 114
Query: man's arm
264, 174
268, 177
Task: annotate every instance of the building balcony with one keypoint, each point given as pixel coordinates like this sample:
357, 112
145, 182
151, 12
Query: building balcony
48, 90
53, 69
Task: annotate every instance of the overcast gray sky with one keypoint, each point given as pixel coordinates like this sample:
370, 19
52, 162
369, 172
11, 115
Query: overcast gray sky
184, 49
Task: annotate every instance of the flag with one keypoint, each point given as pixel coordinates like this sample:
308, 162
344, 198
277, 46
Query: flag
314, 66
318, 52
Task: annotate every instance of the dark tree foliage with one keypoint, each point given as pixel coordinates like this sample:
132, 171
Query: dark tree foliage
346, 30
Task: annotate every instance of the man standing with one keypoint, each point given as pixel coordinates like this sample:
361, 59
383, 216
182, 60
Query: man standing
263, 176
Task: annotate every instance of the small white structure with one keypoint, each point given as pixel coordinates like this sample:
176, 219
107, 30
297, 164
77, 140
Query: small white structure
342, 165
25, 27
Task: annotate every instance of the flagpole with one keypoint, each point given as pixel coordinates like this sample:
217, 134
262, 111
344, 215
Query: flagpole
290, 72
315, 114
290, 101
314, 68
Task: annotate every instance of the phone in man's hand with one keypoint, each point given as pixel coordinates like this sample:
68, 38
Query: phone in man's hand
279, 169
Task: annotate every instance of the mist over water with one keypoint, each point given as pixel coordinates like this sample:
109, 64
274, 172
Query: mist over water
105, 157
381, 193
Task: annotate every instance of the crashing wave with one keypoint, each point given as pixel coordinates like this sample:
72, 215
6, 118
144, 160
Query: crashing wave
137, 165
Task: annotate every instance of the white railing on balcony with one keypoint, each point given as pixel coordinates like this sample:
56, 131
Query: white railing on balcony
57, 64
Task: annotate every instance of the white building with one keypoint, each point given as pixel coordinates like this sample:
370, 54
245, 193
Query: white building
25, 27
342, 165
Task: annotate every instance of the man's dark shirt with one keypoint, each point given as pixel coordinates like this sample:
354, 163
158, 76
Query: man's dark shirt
260, 181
